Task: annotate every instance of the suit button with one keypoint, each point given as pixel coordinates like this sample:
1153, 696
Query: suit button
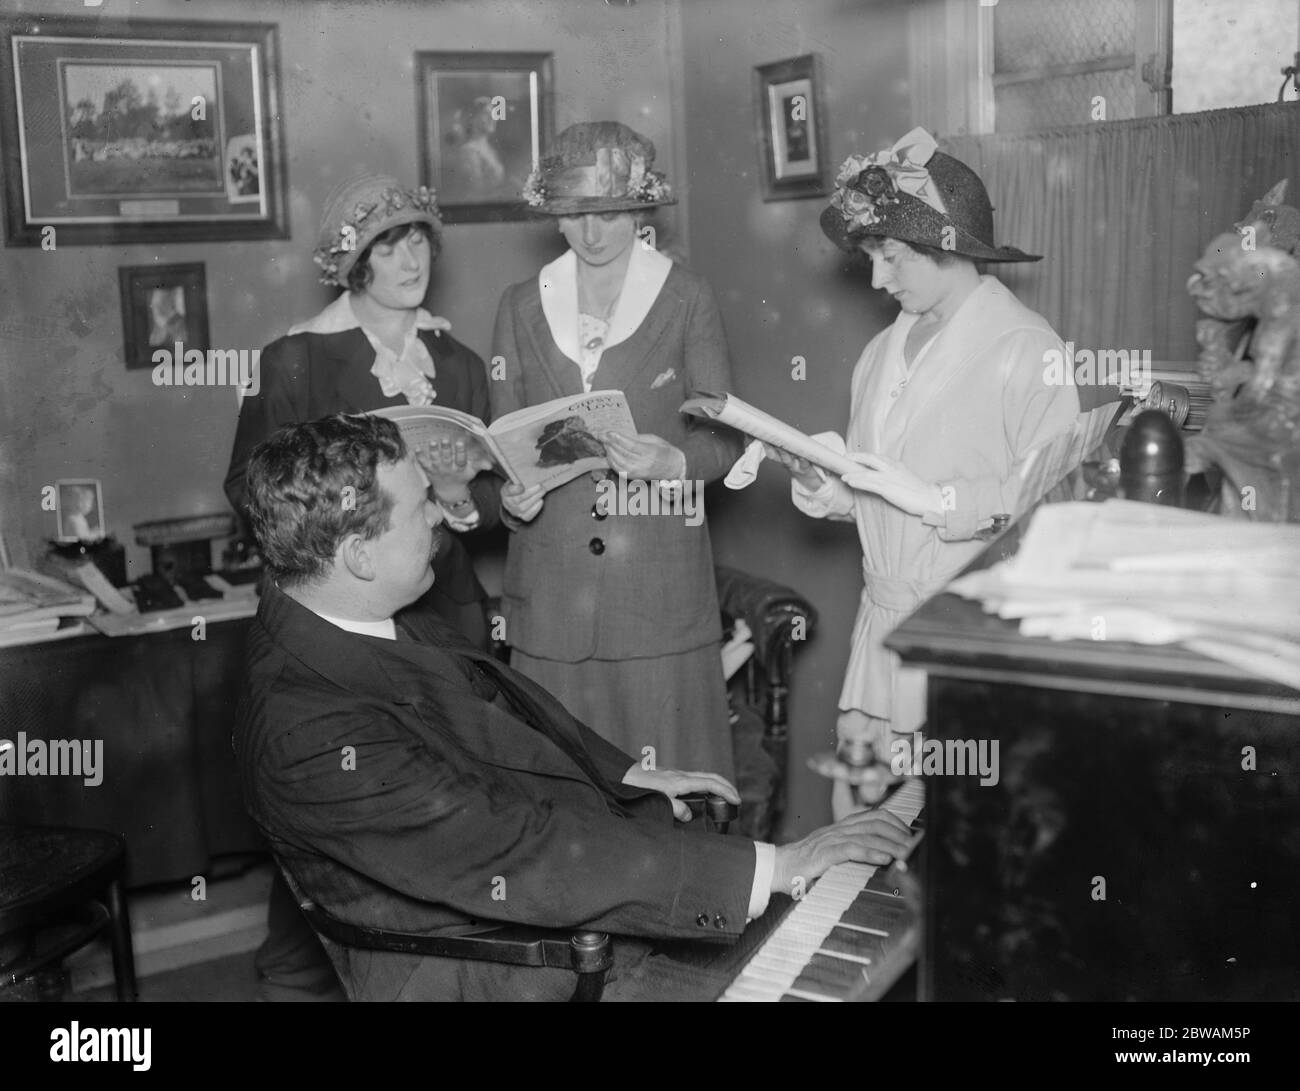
702, 920
597, 546
597, 514
719, 921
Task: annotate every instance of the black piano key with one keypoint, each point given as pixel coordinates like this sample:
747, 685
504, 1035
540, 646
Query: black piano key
829, 977
786, 998
847, 941
882, 882
871, 910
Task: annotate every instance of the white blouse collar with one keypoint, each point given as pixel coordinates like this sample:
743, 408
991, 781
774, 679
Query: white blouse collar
339, 317
647, 269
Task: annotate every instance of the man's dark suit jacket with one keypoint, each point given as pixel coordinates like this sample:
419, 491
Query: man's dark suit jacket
420, 785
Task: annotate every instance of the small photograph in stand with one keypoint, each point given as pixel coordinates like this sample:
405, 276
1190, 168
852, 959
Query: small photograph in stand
79, 509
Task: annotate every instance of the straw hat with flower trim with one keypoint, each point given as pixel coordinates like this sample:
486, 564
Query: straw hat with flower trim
597, 166
360, 210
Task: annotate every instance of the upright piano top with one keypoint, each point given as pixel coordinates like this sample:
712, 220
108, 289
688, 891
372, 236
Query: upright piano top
953, 637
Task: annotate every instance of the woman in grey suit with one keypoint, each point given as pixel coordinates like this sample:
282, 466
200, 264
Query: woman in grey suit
609, 592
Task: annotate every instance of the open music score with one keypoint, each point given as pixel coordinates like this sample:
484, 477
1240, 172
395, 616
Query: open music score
844, 940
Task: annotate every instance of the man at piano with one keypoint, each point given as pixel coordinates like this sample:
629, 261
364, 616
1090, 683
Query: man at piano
407, 781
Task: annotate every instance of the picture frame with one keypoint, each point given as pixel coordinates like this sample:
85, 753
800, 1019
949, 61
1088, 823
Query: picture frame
79, 510
484, 119
140, 131
790, 120
161, 305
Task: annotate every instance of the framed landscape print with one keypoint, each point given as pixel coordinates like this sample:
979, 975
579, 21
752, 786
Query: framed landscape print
140, 131
791, 128
484, 119
163, 305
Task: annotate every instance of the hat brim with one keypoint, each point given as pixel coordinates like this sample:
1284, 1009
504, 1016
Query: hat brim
581, 206
966, 245
406, 216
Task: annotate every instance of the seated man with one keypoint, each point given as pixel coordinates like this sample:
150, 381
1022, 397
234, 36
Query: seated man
412, 783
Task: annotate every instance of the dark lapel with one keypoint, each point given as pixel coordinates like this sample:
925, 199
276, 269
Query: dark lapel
434, 676
563, 376
620, 364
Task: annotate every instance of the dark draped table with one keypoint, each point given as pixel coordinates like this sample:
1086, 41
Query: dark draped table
160, 707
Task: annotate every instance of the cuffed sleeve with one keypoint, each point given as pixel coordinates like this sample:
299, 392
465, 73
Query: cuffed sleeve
764, 868
1036, 407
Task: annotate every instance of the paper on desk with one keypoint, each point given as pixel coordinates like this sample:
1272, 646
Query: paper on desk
1150, 574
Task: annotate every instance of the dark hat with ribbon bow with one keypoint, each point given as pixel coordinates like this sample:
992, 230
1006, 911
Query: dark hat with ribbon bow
916, 194
597, 166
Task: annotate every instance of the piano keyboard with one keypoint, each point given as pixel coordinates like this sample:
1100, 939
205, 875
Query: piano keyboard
833, 937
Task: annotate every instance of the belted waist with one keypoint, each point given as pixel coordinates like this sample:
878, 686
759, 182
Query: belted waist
893, 592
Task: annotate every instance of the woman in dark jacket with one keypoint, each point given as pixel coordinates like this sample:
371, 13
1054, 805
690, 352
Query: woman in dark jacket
376, 346
609, 592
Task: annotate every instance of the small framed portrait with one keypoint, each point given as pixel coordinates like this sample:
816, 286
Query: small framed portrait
791, 128
140, 130
79, 509
162, 306
484, 119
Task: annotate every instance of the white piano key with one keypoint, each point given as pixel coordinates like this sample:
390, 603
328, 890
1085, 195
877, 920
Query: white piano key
773, 969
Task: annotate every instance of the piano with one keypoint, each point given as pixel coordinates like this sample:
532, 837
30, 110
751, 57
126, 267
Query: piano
1140, 842
851, 937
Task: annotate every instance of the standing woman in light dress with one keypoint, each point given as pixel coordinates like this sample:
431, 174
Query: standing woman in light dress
945, 404
617, 614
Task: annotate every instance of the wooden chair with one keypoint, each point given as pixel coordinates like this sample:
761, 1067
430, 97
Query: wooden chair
59, 889
779, 619
588, 954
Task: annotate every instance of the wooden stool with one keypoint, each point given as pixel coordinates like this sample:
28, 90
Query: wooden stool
46, 872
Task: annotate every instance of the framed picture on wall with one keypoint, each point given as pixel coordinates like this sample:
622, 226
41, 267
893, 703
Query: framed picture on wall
791, 128
484, 119
123, 131
79, 509
162, 305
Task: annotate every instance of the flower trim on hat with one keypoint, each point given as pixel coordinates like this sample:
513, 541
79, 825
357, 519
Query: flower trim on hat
390, 202
644, 186
534, 191
868, 185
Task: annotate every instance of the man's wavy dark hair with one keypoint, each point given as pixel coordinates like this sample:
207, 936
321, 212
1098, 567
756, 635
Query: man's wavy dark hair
311, 485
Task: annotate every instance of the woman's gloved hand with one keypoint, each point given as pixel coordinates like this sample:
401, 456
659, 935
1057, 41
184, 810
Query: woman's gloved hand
889, 479
523, 503
645, 456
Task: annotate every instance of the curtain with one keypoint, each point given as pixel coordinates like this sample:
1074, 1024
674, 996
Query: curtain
1121, 211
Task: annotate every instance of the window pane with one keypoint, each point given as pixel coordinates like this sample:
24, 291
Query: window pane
1063, 100
1230, 53
1032, 34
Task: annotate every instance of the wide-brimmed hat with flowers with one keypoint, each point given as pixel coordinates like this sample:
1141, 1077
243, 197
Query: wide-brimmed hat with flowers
360, 210
915, 193
597, 166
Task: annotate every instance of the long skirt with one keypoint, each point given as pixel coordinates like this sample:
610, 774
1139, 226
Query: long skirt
676, 704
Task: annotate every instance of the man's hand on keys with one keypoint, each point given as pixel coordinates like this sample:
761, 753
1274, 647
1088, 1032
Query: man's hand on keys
867, 837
